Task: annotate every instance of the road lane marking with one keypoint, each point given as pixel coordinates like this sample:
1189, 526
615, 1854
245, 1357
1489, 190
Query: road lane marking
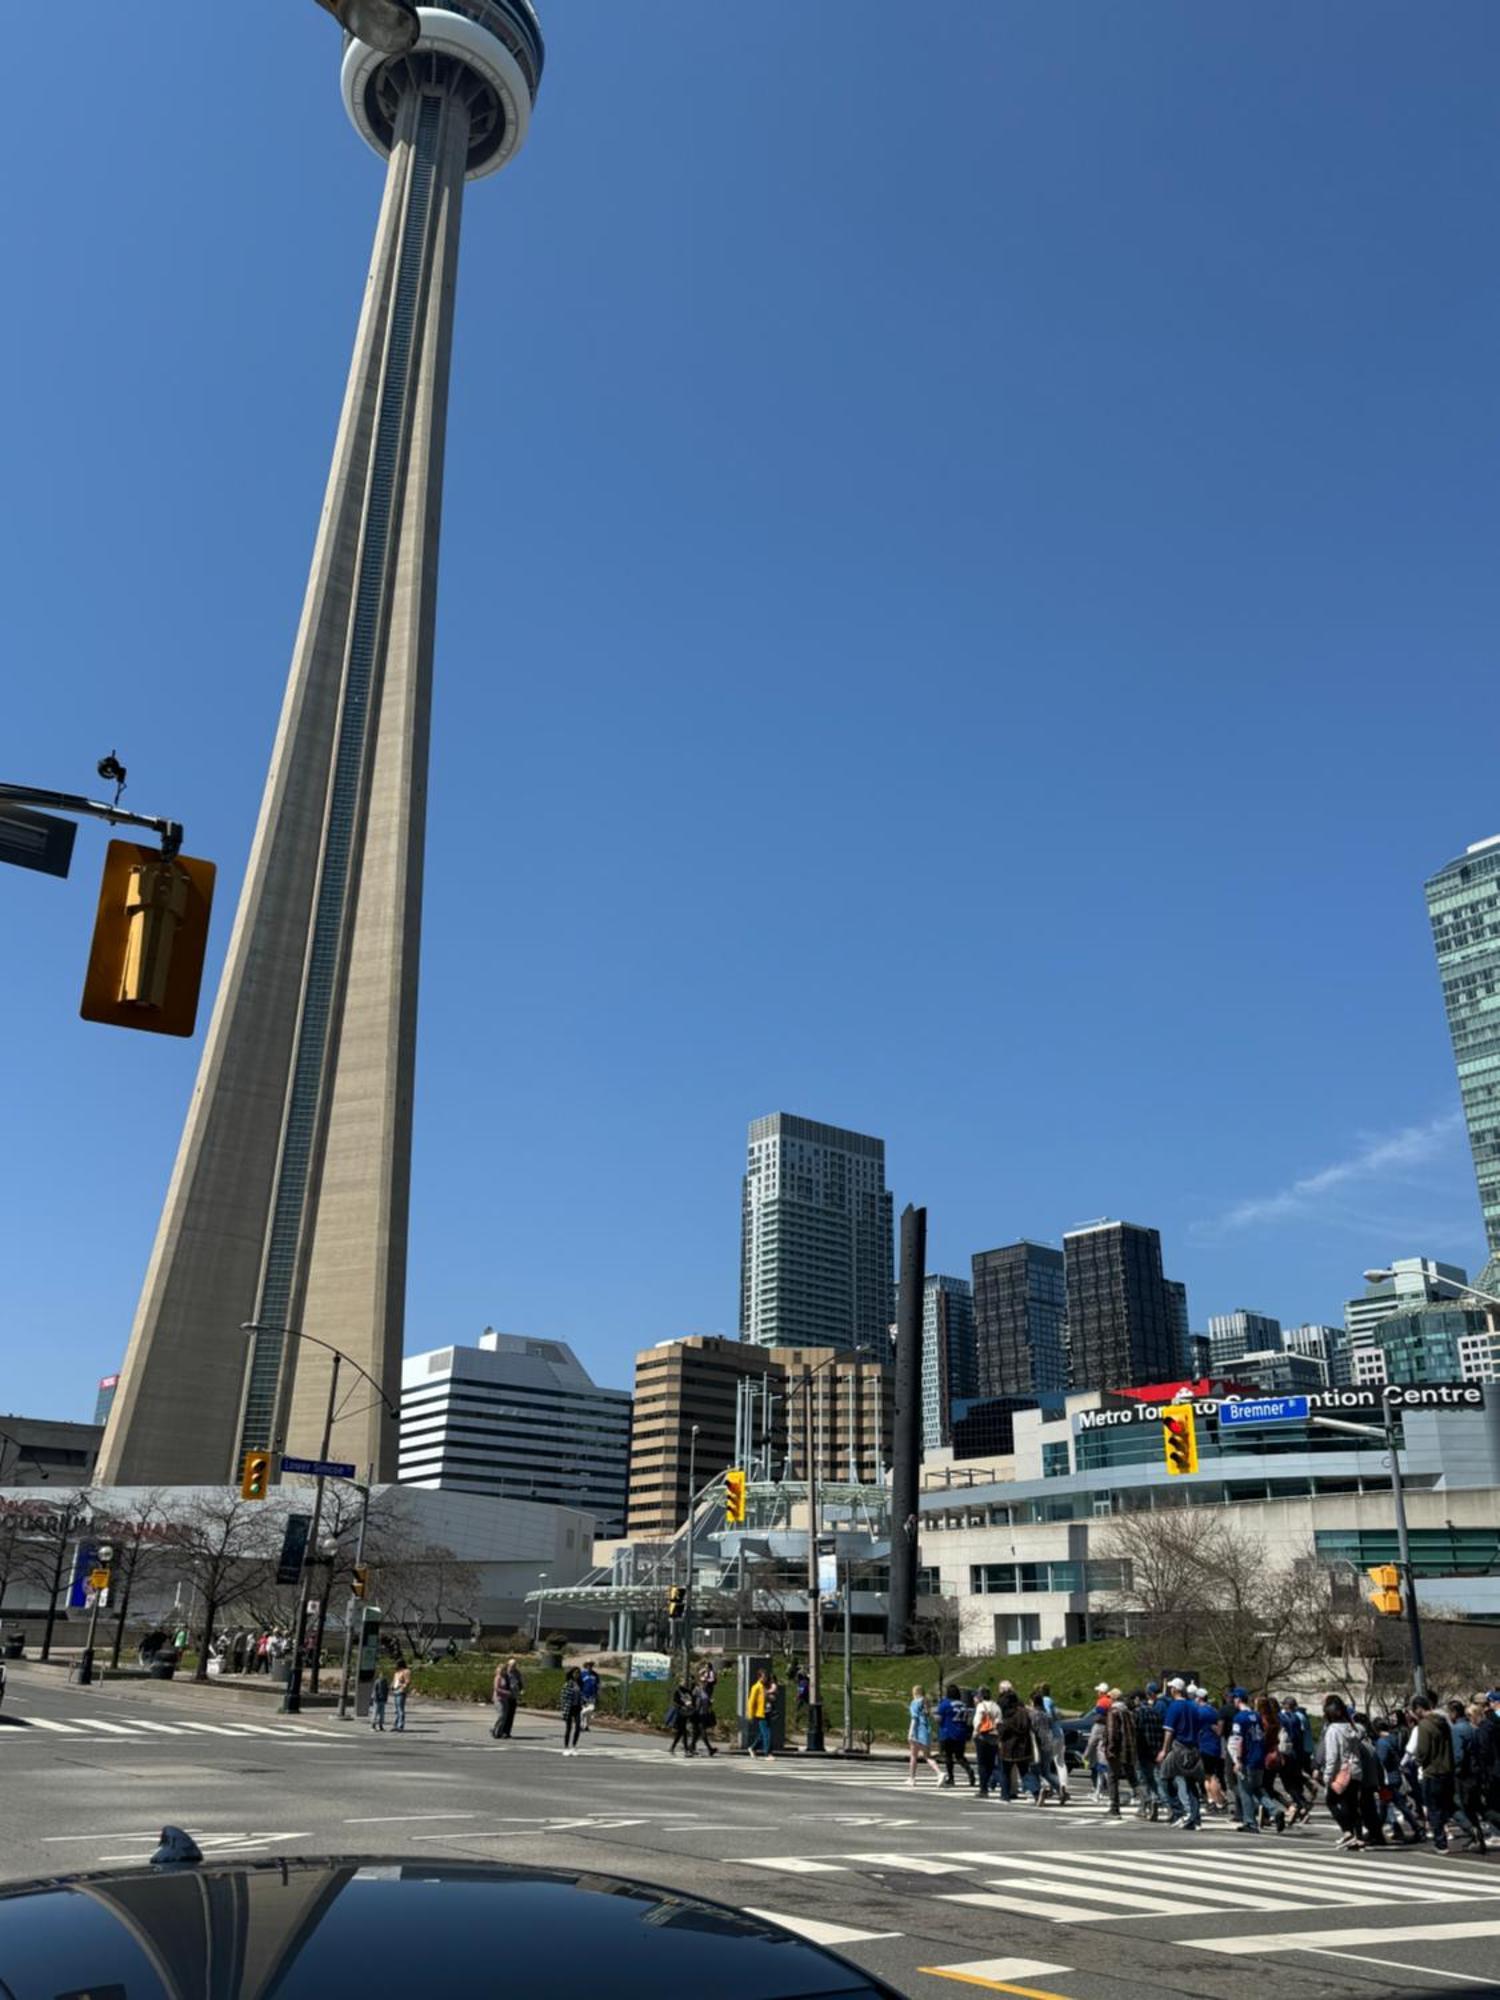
789, 1864
1000, 1975
1362, 1934
394, 1819
1024, 1906
1470, 1980
818, 1933
41, 1722
914, 1864
87, 1722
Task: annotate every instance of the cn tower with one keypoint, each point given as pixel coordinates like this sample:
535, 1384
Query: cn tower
287, 1207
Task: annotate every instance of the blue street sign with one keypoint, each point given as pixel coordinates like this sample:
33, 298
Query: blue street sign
330, 1468
1264, 1410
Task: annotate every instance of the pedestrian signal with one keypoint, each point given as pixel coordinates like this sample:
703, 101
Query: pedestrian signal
360, 1584
1386, 1596
255, 1475
150, 934
1180, 1437
676, 1601
734, 1499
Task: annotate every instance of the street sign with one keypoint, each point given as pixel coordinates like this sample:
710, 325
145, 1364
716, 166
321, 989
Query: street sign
98, 1579
650, 1666
1264, 1410
828, 1576
293, 1548
36, 840
326, 1468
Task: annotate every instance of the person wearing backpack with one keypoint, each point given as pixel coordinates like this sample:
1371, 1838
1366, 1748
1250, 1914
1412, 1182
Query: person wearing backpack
986, 1742
1468, 1789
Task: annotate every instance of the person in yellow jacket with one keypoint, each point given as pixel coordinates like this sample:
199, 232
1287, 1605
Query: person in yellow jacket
755, 1714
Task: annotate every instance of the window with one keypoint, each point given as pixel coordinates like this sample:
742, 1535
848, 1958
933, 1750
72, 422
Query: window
1056, 1460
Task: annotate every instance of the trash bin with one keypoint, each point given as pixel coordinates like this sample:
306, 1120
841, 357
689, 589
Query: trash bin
158, 1669
15, 1646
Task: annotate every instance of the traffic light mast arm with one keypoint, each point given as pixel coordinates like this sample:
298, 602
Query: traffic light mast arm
168, 831
1386, 1434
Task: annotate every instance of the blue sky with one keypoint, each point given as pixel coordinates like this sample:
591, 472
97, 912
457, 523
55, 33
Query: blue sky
968, 610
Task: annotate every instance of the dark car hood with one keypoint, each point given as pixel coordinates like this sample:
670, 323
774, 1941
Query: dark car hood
331, 1926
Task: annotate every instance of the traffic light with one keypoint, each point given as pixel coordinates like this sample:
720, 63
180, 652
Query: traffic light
150, 934
734, 1499
255, 1475
676, 1602
1180, 1437
1386, 1596
360, 1582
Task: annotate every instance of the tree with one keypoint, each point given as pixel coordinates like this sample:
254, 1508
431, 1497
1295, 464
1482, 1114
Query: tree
423, 1588
143, 1547
44, 1547
225, 1547
936, 1633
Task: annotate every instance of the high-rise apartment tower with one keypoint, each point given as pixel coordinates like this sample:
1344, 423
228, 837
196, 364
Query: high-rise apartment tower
1020, 1320
1122, 1325
815, 1238
1463, 901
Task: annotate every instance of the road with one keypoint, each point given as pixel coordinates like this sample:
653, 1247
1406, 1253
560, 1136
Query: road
930, 1889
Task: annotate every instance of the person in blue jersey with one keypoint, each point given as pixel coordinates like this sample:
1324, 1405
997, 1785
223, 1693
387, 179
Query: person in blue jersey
1178, 1761
1211, 1750
1247, 1754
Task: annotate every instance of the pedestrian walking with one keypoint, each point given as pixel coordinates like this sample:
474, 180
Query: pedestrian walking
500, 1696
1247, 1755
1402, 1816
570, 1703
679, 1719
1468, 1796
802, 1681
986, 1742
508, 1689
1430, 1744
704, 1718
1350, 1770
400, 1689
379, 1692
1210, 1749
953, 1731
1149, 1712
1179, 1761
588, 1680
919, 1736
1045, 1773
758, 1742
1119, 1747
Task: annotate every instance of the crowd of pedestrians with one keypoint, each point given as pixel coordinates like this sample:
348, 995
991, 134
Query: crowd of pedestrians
1428, 1772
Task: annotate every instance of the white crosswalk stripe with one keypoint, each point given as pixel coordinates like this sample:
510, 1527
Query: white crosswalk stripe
817, 1932
1066, 1887
138, 1729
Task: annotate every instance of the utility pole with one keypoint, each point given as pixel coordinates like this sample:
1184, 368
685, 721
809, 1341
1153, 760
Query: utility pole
687, 1594
905, 1500
291, 1701
104, 1555
848, 1659
815, 1745
359, 1558
1386, 1432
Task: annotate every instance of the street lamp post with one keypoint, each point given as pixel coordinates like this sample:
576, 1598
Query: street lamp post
815, 1746
104, 1555
1387, 1431
291, 1700
687, 1594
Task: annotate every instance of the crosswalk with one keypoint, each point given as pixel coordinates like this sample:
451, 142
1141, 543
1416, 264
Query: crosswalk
101, 1729
1183, 1882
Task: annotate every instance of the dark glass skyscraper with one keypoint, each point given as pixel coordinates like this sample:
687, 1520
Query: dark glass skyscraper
1463, 901
1122, 1323
1020, 1320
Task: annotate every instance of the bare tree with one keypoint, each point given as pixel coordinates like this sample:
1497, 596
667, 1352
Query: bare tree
225, 1546
936, 1633
43, 1548
143, 1545
423, 1588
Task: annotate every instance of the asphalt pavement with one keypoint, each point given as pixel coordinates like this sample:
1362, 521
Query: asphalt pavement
931, 1888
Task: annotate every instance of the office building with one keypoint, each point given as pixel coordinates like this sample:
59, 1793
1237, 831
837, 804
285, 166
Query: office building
1432, 1343
853, 1409
1122, 1327
1278, 1373
1328, 1344
815, 1244
1463, 902
1233, 1334
680, 1383
1020, 1320
287, 1207
1182, 1332
1414, 1282
518, 1418
1200, 1357
949, 1367
104, 1397
36, 1451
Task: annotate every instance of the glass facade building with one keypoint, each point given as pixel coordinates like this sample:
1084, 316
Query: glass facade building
1020, 1320
948, 1362
1234, 1334
1463, 902
815, 1238
1122, 1328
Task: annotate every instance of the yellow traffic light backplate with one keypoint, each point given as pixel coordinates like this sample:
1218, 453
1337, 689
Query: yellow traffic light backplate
150, 937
